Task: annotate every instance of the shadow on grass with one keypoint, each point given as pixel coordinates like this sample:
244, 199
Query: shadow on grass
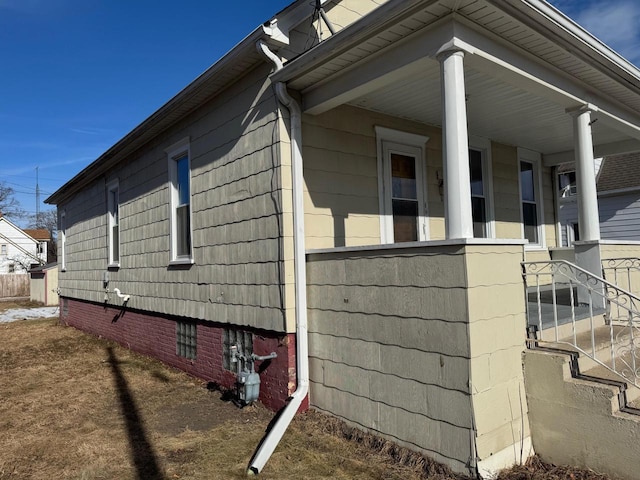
142, 453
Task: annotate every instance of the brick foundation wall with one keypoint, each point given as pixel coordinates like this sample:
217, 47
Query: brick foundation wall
155, 335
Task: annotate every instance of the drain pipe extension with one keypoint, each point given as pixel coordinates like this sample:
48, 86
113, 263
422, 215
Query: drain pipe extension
302, 346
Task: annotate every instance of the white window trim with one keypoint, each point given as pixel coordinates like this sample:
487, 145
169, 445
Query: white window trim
63, 240
536, 159
174, 152
483, 145
111, 187
416, 145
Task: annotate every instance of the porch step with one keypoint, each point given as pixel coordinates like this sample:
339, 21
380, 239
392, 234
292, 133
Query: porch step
590, 368
632, 393
576, 420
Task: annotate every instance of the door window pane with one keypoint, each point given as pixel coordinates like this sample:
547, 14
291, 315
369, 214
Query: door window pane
404, 198
403, 174
405, 221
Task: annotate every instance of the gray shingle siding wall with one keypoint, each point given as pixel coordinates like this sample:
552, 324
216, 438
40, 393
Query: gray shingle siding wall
620, 217
237, 232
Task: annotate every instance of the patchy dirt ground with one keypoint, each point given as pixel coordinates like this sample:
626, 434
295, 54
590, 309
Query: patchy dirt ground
76, 407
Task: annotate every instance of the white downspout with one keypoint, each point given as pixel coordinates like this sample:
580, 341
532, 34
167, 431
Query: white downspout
300, 272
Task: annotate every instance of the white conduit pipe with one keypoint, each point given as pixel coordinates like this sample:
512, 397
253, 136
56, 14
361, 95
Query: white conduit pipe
300, 271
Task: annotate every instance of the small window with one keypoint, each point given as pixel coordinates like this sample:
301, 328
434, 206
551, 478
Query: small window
63, 240
481, 185
12, 268
180, 187
530, 197
113, 223
186, 340
242, 340
567, 184
3, 250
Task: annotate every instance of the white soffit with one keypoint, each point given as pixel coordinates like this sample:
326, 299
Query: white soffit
331, 60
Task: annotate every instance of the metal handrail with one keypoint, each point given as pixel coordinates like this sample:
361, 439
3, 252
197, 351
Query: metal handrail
595, 295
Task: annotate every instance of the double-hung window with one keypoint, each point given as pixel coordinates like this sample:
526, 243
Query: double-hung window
401, 186
531, 197
63, 240
480, 177
180, 202
113, 223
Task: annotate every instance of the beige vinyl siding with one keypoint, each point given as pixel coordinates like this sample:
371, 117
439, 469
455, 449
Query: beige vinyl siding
237, 229
341, 175
341, 14
341, 178
506, 194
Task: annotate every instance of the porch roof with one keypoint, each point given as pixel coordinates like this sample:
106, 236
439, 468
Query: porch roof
526, 64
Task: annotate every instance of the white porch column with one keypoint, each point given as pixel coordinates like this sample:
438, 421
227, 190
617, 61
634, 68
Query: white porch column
588, 217
455, 147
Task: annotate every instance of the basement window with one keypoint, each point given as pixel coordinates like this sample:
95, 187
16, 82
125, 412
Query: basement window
186, 340
242, 339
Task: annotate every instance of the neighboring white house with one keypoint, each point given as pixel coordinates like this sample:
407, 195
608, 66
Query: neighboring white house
618, 187
21, 249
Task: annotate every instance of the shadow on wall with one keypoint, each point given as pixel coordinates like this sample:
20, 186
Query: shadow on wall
142, 454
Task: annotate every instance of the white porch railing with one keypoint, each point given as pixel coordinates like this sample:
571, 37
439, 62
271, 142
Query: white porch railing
624, 272
569, 306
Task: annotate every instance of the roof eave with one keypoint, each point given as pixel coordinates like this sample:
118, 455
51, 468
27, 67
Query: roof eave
545, 17
593, 50
138, 136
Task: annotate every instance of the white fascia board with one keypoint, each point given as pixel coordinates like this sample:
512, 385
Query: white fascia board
572, 32
619, 191
494, 56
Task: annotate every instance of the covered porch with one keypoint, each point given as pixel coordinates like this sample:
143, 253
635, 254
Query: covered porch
430, 131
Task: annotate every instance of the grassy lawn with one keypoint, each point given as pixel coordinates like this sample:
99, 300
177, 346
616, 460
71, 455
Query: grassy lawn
76, 407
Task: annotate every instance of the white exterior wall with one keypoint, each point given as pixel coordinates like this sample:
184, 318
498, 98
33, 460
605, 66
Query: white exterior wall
21, 249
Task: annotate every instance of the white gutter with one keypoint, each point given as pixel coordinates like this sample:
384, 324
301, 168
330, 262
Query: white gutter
274, 435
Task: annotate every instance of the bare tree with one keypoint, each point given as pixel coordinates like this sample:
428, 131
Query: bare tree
9, 206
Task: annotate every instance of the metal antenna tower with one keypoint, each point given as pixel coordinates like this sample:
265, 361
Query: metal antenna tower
37, 200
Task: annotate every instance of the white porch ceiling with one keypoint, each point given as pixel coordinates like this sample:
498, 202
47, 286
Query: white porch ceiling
495, 110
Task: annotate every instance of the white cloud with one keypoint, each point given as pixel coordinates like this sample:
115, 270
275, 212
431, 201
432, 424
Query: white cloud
90, 131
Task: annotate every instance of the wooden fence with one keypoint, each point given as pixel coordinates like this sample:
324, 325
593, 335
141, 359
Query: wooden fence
14, 285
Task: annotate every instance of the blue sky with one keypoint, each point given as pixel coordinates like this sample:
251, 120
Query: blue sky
77, 75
